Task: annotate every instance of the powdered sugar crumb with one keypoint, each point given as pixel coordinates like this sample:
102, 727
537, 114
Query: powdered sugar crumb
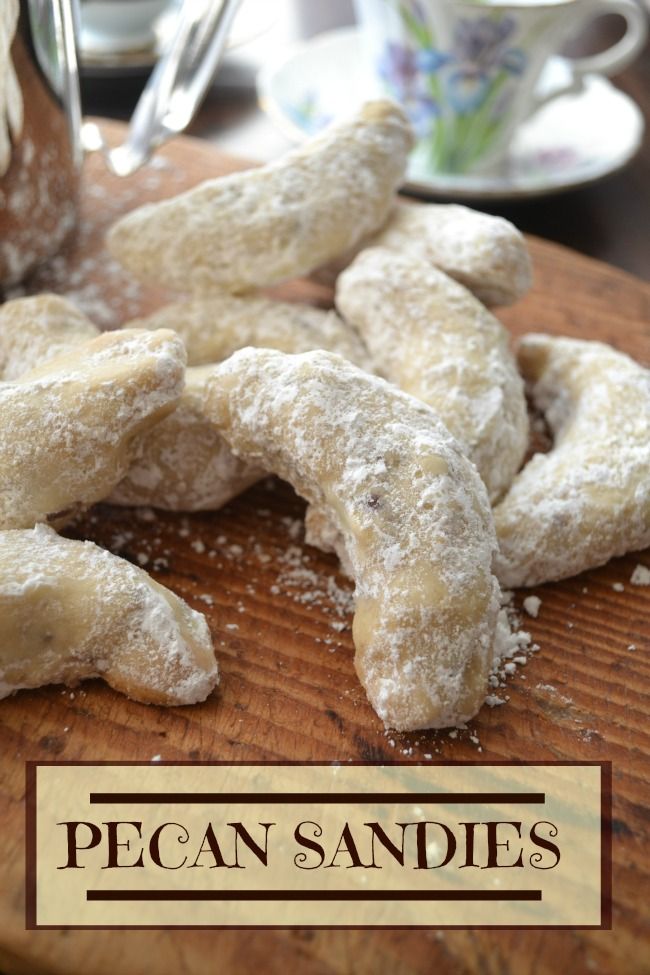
309, 588
640, 576
513, 647
532, 605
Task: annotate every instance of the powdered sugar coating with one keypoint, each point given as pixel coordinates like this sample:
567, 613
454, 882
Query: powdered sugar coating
216, 326
410, 509
588, 499
436, 341
36, 329
640, 576
279, 221
487, 254
67, 427
70, 610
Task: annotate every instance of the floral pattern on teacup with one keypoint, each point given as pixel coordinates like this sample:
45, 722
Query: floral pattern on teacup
546, 162
457, 99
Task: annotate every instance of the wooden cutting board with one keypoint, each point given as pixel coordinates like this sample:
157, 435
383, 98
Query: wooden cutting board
280, 617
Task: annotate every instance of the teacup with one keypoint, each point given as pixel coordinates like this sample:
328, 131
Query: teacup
113, 26
468, 73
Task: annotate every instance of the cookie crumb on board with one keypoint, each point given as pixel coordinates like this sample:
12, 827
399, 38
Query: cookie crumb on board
531, 605
640, 576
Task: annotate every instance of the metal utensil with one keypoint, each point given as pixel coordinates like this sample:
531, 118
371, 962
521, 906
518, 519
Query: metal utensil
43, 134
176, 86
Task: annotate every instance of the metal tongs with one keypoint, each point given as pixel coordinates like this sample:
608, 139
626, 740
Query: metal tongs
176, 86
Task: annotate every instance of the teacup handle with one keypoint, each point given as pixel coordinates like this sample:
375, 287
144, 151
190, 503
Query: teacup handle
613, 59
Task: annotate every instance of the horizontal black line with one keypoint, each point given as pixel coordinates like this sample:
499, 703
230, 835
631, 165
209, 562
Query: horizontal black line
329, 798
313, 895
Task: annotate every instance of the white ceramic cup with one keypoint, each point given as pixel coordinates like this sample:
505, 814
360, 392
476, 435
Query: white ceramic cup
112, 26
467, 73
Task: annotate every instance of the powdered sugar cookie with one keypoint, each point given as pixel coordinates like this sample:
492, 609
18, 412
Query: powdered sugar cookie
216, 326
427, 334
588, 499
282, 220
411, 515
70, 610
487, 254
67, 427
181, 464
36, 329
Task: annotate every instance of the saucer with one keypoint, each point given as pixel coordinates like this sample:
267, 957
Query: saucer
574, 140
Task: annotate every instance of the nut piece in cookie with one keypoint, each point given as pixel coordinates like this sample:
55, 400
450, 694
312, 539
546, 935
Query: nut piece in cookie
67, 427
588, 499
255, 228
410, 513
431, 337
70, 610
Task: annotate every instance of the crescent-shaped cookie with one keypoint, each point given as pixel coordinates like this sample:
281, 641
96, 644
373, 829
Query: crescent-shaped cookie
255, 228
410, 509
214, 327
36, 329
67, 427
427, 334
588, 499
486, 254
181, 464
70, 610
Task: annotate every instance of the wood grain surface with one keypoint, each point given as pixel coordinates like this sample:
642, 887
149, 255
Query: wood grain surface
288, 690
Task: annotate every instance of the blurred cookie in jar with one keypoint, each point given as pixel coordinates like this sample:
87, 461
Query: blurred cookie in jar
39, 162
